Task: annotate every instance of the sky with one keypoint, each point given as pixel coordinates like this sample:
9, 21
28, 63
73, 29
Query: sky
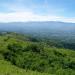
37, 10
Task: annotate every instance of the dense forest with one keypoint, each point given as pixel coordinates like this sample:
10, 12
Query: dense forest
26, 55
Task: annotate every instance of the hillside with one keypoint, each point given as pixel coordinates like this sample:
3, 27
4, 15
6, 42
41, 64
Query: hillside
51, 30
6, 68
20, 55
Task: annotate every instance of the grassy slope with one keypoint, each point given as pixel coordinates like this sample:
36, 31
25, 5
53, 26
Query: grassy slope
8, 69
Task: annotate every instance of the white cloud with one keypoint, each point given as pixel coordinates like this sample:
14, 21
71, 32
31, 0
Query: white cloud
30, 16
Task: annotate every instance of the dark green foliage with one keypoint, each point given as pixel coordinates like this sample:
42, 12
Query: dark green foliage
70, 65
34, 48
16, 48
38, 56
34, 57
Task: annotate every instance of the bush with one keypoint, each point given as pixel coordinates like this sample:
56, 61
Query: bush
15, 48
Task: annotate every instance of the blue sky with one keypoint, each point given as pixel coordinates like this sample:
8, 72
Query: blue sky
37, 10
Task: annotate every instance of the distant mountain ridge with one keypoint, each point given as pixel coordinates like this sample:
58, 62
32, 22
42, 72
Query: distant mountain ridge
50, 28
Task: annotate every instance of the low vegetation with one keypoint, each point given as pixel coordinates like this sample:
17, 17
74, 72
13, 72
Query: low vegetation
19, 54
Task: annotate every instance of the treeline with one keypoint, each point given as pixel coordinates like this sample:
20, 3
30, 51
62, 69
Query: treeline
59, 43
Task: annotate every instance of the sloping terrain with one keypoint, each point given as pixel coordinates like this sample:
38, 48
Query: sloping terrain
6, 68
19, 55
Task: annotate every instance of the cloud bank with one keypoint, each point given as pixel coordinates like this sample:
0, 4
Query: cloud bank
36, 10
30, 16
33, 10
